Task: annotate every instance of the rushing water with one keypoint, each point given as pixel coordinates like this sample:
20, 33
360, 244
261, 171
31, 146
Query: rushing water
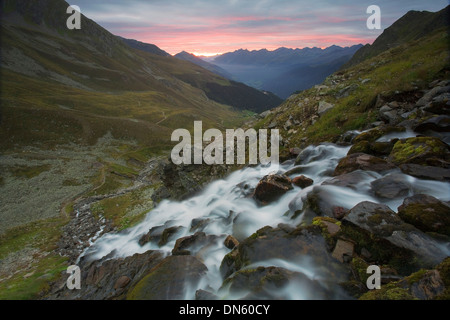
229, 210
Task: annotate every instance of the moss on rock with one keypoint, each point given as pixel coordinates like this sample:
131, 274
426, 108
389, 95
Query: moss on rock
428, 217
417, 150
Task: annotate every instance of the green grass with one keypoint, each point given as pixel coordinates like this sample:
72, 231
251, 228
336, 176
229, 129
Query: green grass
29, 172
45, 267
28, 287
119, 209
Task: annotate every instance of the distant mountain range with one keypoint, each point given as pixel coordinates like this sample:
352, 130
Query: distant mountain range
204, 64
283, 71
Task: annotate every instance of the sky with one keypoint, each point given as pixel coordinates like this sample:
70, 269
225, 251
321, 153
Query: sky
208, 27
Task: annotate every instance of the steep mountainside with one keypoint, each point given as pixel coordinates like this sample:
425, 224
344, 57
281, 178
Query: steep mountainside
148, 47
284, 71
95, 74
412, 26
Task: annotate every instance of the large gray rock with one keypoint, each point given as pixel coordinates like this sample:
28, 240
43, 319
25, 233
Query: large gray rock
271, 187
299, 245
391, 186
169, 280
324, 107
380, 221
362, 161
426, 172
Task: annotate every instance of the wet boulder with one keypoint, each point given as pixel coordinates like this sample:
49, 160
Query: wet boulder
417, 150
362, 161
426, 172
402, 238
272, 187
161, 235
169, 280
274, 283
302, 181
191, 245
438, 123
377, 132
372, 148
391, 186
231, 242
353, 180
426, 213
297, 246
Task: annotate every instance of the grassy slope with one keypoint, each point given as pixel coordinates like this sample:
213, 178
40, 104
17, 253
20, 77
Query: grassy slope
134, 95
408, 67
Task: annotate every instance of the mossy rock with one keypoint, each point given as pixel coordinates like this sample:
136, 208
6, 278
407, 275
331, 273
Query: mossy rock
388, 292
421, 285
444, 271
363, 146
418, 150
426, 213
376, 133
372, 148
169, 279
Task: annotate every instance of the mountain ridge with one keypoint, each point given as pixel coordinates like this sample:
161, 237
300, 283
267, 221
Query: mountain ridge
412, 26
284, 71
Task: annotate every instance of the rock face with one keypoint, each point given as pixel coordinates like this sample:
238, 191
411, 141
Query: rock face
362, 161
426, 213
271, 187
169, 279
